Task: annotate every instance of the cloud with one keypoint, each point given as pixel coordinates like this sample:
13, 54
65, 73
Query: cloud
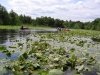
83, 10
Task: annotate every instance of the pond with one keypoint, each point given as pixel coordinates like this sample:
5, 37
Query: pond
5, 35
19, 41
7, 38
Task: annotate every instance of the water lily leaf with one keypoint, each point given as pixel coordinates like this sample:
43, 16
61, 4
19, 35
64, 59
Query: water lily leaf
80, 68
2, 48
56, 59
56, 72
25, 55
36, 66
8, 54
18, 73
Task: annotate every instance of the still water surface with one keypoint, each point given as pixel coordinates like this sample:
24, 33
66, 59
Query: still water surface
6, 37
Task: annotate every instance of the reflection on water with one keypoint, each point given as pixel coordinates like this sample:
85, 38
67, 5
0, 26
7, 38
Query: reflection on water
5, 34
8, 37
10, 34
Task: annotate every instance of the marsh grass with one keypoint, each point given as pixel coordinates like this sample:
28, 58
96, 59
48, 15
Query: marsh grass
28, 26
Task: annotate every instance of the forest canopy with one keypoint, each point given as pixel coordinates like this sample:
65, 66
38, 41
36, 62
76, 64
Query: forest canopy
12, 18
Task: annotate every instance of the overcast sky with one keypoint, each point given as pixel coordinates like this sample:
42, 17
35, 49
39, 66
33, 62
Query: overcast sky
82, 10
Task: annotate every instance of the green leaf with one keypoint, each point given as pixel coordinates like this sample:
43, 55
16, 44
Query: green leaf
80, 68
56, 72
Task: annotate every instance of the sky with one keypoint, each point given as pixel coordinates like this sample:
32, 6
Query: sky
75, 10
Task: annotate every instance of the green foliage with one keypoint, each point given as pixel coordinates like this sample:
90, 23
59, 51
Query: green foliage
25, 19
96, 39
49, 56
55, 72
4, 50
44, 59
13, 18
4, 16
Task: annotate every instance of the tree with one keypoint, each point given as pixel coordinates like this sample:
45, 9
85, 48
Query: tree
4, 16
58, 23
14, 19
78, 25
96, 24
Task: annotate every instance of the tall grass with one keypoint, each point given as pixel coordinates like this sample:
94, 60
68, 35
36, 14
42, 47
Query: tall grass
18, 27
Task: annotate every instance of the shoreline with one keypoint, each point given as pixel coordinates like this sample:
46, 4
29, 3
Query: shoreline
19, 26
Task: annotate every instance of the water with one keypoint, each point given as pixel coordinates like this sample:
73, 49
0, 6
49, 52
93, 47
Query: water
8, 37
5, 34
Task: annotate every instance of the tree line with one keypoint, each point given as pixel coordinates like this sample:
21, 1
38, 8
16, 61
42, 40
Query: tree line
12, 18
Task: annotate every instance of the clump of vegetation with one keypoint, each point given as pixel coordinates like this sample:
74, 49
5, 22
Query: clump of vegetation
42, 58
96, 39
5, 51
81, 43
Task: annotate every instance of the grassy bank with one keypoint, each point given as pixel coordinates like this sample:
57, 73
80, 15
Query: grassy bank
9, 27
18, 27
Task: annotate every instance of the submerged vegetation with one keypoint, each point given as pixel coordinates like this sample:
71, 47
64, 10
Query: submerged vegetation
53, 54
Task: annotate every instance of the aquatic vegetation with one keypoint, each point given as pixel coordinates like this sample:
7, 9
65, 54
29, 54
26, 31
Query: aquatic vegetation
96, 39
4, 50
54, 53
56, 72
81, 43
43, 56
12, 46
